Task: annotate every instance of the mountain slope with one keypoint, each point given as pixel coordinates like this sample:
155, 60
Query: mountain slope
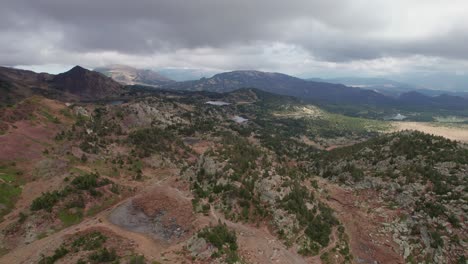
387, 87
77, 83
285, 85
381, 85
131, 76
16, 84
415, 99
422, 175
334, 97
86, 84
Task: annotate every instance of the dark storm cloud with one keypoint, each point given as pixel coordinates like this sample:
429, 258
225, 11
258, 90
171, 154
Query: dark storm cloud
332, 30
145, 26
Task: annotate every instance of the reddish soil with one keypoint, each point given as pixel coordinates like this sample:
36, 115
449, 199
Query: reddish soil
118, 242
202, 146
26, 142
362, 215
165, 200
257, 244
21, 111
29, 132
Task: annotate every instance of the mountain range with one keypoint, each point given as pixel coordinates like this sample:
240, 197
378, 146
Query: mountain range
319, 92
282, 84
388, 87
80, 83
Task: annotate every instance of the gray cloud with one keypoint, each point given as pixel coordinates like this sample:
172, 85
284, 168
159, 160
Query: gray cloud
229, 34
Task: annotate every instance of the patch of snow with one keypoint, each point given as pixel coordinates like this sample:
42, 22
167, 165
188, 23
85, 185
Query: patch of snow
397, 117
239, 119
219, 103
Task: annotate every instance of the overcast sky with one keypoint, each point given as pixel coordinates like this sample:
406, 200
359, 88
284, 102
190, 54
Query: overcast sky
304, 38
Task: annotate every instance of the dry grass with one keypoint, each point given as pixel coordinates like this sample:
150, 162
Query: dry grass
459, 133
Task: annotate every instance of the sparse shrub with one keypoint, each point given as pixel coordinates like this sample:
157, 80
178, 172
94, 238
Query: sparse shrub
22, 217
103, 255
84, 158
206, 209
137, 259
58, 254
437, 240
89, 182
223, 239
90, 241
46, 201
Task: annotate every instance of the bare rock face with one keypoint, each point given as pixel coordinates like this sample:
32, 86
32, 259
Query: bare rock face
267, 189
159, 214
147, 112
132, 218
208, 164
199, 248
130, 76
79, 110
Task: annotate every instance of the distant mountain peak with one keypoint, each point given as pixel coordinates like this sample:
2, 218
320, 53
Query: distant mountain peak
283, 84
85, 83
253, 73
129, 75
78, 68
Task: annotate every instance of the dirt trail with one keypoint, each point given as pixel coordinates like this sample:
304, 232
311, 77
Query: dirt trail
459, 133
29, 192
31, 253
256, 244
144, 245
333, 242
361, 225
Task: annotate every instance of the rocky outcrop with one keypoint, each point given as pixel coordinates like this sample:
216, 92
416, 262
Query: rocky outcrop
199, 248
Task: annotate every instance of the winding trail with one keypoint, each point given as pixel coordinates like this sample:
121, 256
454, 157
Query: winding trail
31, 253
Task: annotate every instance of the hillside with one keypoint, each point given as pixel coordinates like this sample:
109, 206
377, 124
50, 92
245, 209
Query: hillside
381, 85
221, 177
86, 84
76, 84
388, 87
334, 97
131, 76
16, 85
422, 176
283, 84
